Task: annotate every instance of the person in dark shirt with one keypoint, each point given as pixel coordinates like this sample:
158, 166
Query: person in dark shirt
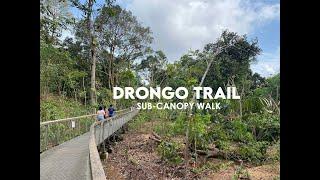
111, 111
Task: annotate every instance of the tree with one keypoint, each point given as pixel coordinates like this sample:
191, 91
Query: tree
88, 10
54, 18
122, 40
257, 81
234, 61
155, 65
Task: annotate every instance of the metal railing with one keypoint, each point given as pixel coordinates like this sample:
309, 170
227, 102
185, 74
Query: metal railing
101, 131
53, 133
58, 131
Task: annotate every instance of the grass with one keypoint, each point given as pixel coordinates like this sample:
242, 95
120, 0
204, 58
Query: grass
56, 107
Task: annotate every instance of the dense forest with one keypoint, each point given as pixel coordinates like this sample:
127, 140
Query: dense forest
109, 47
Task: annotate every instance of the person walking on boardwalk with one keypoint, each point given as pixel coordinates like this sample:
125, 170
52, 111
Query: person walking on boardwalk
100, 114
105, 110
111, 111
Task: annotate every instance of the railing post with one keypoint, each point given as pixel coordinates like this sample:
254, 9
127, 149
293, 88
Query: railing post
103, 141
79, 127
58, 134
70, 129
46, 137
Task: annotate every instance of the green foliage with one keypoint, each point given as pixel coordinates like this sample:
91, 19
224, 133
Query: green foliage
179, 125
248, 138
165, 129
56, 107
253, 151
58, 73
240, 173
169, 152
252, 104
265, 127
54, 18
104, 96
239, 131
154, 65
244, 129
141, 118
128, 77
198, 130
271, 88
213, 167
53, 107
220, 136
144, 116
273, 152
233, 61
58, 133
241, 139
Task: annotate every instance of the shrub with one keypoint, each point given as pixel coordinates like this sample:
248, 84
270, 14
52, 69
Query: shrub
198, 130
169, 152
56, 107
264, 127
273, 152
141, 118
253, 151
241, 173
239, 131
179, 125
219, 136
165, 128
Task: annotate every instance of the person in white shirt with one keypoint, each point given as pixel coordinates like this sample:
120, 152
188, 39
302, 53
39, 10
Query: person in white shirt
100, 114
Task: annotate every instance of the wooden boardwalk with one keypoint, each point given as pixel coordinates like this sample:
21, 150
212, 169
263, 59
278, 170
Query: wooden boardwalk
69, 160
78, 158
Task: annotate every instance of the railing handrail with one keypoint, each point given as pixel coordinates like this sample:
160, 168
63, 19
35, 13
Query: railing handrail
74, 118
96, 168
97, 136
97, 172
66, 119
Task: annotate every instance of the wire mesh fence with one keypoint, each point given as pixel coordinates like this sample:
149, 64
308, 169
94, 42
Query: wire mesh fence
53, 133
56, 132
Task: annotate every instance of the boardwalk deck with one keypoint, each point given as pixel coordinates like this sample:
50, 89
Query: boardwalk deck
76, 159
67, 161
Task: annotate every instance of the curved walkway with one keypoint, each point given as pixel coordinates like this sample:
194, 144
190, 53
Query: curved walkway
69, 160
73, 160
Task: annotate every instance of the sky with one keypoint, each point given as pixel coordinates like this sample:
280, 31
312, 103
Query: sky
181, 25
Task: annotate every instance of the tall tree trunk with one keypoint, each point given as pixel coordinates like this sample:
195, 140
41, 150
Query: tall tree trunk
93, 53
112, 70
117, 79
75, 95
85, 94
109, 72
93, 77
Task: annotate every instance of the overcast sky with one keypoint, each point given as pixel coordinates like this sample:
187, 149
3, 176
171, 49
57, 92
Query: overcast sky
180, 25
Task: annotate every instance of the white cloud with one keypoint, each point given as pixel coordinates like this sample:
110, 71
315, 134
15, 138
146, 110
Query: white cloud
268, 63
66, 33
270, 12
180, 25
